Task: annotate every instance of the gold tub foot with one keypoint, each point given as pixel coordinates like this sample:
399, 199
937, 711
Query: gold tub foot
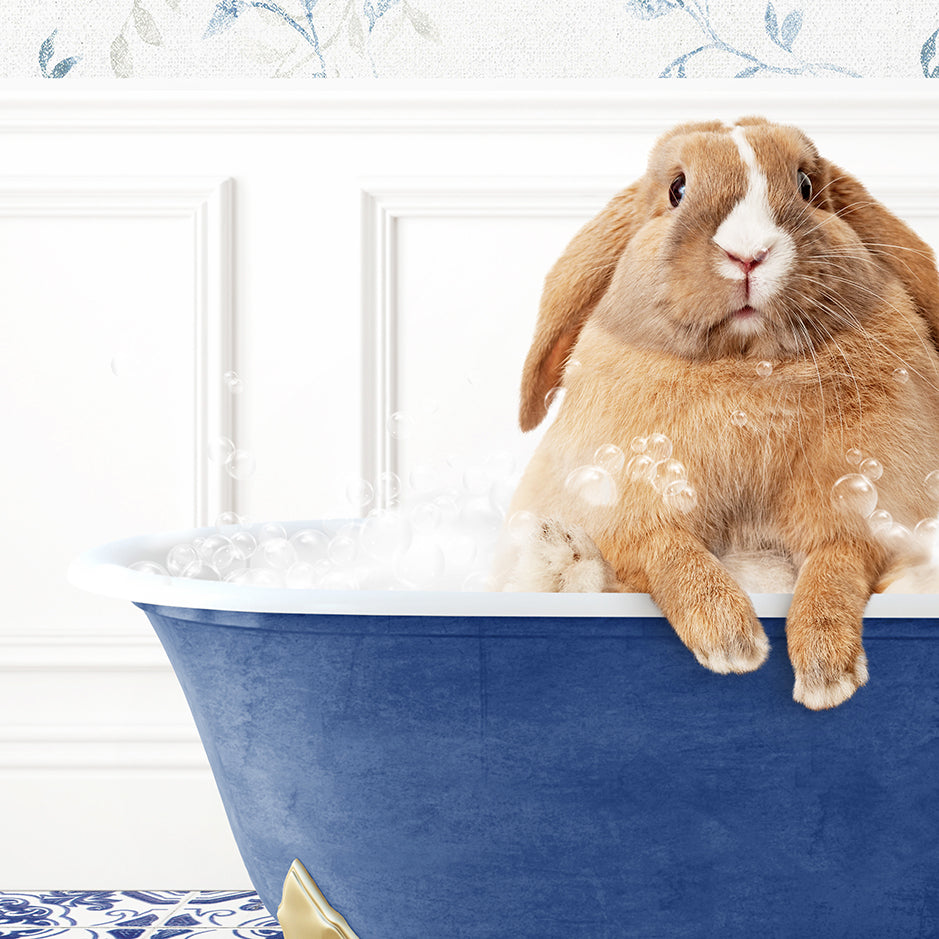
304, 913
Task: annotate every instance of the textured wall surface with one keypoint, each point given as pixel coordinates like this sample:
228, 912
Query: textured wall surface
461, 39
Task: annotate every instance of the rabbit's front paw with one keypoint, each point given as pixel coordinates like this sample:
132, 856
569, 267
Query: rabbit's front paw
737, 650
826, 653
554, 557
823, 684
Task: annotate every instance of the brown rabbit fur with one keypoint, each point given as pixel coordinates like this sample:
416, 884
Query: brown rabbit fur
651, 325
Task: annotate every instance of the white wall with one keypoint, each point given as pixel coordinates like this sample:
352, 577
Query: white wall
350, 251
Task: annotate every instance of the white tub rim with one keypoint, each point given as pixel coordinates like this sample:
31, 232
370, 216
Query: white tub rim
105, 570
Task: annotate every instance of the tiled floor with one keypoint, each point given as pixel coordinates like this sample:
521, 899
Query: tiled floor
136, 914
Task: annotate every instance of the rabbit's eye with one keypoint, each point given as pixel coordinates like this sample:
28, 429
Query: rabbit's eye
805, 185
676, 191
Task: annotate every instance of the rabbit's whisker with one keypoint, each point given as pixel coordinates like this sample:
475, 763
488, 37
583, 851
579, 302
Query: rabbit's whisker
901, 314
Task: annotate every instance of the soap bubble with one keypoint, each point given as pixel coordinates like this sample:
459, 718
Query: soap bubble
220, 449
227, 558
610, 458
927, 531
425, 516
244, 544
872, 469
459, 551
764, 369
209, 545
263, 577
383, 533
241, 464
271, 530
340, 580
932, 485
638, 444
659, 447
181, 558
680, 495
501, 492
500, 464
377, 577
901, 376
522, 525
200, 571
854, 456
228, 520
360, 493
321, 568
739, 417
399, 425
342, 549
310, 545
234, 383
572, 365
477, 581
149, 567
300, 576
666, 472
425, 477
640, 466
897, 539
449, 507
421, 564
477, 479
593, 484
854, 494
277, 553
879, 520
482, 519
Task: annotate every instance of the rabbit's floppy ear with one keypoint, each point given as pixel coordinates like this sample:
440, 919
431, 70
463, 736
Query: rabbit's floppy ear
889, 240
572, 289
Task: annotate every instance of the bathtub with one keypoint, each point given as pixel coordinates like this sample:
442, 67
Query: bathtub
439, 766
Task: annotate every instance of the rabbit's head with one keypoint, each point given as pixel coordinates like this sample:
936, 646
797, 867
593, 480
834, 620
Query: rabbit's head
738, 240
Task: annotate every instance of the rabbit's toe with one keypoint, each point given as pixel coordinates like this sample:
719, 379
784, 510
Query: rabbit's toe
739, 654
555, 557
821, 686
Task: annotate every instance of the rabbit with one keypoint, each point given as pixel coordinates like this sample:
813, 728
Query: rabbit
752, 305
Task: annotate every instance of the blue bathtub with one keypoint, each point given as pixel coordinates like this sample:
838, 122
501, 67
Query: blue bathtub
518, 765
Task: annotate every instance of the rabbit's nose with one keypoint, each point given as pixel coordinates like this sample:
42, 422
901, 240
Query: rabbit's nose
748, 263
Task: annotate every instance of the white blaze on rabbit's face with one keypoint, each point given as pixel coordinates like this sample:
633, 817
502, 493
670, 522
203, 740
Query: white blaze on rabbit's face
757, 252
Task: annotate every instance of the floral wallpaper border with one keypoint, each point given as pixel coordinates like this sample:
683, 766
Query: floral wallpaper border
454, 39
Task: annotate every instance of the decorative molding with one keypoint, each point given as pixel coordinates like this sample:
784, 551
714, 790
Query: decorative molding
304, 913
384, 204
88, 653
206, 203
105, 747
337, 106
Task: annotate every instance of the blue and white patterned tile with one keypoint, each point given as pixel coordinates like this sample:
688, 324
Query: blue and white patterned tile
136, 914
272, 931
225, 909
123, 914
26, 932
127, 909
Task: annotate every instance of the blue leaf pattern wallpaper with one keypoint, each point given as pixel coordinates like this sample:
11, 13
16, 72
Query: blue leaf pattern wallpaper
452, 39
